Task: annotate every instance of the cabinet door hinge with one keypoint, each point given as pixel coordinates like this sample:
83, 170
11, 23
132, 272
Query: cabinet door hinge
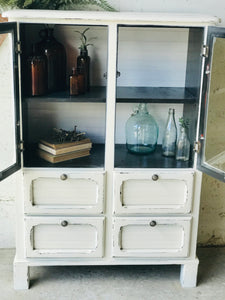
21, 146
205, 51
197, 146
18, 47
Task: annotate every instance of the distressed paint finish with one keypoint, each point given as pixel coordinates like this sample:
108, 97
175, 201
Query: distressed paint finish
173, 237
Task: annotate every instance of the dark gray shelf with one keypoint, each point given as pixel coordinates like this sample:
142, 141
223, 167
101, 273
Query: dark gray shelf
96, 94
155, 95
124, 95
124, 159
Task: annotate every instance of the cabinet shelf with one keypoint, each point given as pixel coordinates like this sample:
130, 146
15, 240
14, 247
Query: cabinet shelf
124, 159
124, 95
155, 95
95, 160
96, 94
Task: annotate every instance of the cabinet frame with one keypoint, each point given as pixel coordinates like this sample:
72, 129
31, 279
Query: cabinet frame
188, 218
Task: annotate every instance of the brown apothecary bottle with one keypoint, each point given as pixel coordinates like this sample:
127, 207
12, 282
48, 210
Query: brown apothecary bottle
77, 82
56, 59
36, 74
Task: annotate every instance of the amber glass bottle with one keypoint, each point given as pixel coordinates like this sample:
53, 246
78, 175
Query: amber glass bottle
56, 59
77, 82
83, 64
36, 74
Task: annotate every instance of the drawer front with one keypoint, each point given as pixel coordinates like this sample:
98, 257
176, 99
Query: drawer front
158, 192
57, 193
145, 237
64, 237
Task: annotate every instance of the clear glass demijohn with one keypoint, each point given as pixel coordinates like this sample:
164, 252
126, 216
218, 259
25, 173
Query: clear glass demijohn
141, 132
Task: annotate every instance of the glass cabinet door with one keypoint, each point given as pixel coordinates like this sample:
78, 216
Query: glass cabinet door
212, 126
9, 101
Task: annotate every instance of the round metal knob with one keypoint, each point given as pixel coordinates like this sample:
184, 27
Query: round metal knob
153, 223
155, 177
64, 223
63, 177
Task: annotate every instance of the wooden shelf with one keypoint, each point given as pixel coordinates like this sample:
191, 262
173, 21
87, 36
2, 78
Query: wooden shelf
95, 160
124, 159
124, 95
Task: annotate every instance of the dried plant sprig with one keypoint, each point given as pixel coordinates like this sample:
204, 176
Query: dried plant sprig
184, 122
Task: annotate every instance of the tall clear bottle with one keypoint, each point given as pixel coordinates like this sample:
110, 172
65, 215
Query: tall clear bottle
141, 132
170, 135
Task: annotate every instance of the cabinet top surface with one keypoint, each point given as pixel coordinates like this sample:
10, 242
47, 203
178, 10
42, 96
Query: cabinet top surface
47, 16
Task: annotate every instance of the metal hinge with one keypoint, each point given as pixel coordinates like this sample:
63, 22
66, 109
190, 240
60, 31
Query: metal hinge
21, 146
197, 146
205, 51
18, 47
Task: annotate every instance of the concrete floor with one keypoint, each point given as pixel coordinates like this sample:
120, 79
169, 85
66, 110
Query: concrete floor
117, 283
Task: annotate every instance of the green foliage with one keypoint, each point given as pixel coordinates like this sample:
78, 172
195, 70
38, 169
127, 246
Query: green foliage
56, 4
84, 41
184, 123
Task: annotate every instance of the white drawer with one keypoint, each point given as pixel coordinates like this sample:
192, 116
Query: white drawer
64, 193
153, 192
64, 237
151, 237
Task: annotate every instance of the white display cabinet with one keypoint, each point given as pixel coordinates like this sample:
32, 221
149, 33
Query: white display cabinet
113, 207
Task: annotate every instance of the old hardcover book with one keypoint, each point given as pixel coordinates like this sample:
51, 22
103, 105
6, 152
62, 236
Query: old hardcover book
67, 147
62, 157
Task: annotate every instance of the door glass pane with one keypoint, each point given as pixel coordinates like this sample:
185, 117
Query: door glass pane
215, 130
7, 106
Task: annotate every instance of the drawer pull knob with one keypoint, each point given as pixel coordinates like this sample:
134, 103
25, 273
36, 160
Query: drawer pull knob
64, 223
152, 223
63, 177
155, 177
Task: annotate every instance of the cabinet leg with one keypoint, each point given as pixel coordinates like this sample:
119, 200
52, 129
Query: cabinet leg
21, 276
188, 273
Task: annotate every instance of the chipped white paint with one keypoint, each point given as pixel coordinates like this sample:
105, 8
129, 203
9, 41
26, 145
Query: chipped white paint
189, 268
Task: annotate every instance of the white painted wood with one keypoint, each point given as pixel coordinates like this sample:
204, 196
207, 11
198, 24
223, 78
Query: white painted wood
135, 237
110, 134
105, 17
138, 193
21, 275
47, 193
172, 202
80, 237
189, 272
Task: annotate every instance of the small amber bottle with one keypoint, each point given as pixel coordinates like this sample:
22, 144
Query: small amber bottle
77, 83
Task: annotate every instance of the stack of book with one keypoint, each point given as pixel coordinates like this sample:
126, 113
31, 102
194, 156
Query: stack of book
58, 152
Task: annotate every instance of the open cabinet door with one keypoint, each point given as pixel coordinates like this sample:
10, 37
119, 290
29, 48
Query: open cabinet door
10, 156
211, 159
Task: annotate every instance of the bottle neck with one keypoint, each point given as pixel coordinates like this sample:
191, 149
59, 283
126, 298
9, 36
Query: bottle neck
171, 116
84, 51
142, 109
